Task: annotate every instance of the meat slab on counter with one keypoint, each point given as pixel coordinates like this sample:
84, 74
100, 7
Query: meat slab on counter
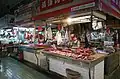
79, 53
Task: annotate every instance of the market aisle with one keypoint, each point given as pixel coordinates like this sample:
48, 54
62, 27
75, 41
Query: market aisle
12, 69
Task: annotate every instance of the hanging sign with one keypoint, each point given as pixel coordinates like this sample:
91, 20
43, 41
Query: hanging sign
47, 4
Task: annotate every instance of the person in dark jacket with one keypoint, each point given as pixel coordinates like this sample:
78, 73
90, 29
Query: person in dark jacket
86, 41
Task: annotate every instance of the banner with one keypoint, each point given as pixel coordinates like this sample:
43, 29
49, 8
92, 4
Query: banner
111, 7
47, 4
116, 4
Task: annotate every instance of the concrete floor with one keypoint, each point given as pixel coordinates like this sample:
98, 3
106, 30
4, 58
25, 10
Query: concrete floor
12, 69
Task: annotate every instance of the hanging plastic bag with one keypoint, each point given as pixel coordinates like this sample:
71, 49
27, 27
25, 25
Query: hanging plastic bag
58, 38
49, 33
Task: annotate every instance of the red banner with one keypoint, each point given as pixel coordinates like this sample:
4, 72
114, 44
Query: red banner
47, 4
116, 4
111, 7
60, 11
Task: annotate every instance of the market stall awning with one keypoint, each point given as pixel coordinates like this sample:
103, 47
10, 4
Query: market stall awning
63, 11
107, 7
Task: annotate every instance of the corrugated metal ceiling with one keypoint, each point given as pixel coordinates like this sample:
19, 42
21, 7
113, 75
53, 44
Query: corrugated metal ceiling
8, 6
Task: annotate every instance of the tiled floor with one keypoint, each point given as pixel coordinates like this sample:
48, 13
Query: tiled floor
12, 69
114, 75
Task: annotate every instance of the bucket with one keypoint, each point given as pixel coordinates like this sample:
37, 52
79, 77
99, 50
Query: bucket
20, 56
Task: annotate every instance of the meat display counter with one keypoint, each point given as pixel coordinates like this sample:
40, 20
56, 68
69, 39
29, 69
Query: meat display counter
33, 55
91, 68
90, 65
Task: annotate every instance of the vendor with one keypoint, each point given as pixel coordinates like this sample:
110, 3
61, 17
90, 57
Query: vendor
75, 41
87, 38
40, 38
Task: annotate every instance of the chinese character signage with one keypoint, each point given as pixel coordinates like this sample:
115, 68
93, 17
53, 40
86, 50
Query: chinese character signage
47, 4
116, 4
111, 7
